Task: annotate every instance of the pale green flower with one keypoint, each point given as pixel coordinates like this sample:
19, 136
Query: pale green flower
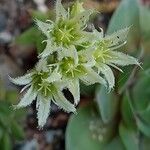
67, 30
106, 56
72, 71
45, 85
76, 55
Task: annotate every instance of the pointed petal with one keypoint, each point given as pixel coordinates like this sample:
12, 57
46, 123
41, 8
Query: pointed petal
83, 18
60, 11
92, 77
42, 65
76, 8
23, 80
122, 59
116, 67
49, 49
107, 72
43, 109
63, 103
71, 52
74, 88
97, 35
27, 99
118, 37
25, 87
44, 27
61, 84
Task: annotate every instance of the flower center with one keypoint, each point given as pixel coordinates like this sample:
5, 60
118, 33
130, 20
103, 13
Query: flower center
101, 53
70, 69
41, 85
65, 33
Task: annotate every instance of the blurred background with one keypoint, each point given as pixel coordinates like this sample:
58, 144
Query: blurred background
114, 121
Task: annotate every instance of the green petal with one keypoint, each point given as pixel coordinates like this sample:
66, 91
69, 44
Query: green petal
42, 65
117, 38
92, 77
74, 88
27, 99
23, 80
61, 13
95, 34
82, 18
116, 67
107, 72
76, 8
44, 27
63, 103
49, 49
122, 59
43, 108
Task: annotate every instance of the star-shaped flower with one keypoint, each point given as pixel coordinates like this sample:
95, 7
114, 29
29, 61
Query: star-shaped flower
45, 85
70, 56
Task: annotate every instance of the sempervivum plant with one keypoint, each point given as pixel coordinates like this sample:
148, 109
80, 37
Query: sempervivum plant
71, 55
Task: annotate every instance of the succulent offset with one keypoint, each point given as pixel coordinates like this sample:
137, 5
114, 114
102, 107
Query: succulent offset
71, 55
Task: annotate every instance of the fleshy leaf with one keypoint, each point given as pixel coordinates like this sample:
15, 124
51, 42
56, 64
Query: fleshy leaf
43, 108
129, 137
106, 104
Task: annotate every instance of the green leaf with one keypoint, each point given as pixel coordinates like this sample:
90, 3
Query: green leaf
5, 115
107, 104
28, 37
145, 114
145, 26
143, 126
127, 114
145, 143
127, 15
86, 131
115, 144
11, 96
39, 15
5, 108
17, 131
123, 77
141, 92
128, 137
39, 45
87, 90
5, 143
1, 132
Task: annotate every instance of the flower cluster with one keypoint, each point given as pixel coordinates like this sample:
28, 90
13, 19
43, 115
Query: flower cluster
71, 55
